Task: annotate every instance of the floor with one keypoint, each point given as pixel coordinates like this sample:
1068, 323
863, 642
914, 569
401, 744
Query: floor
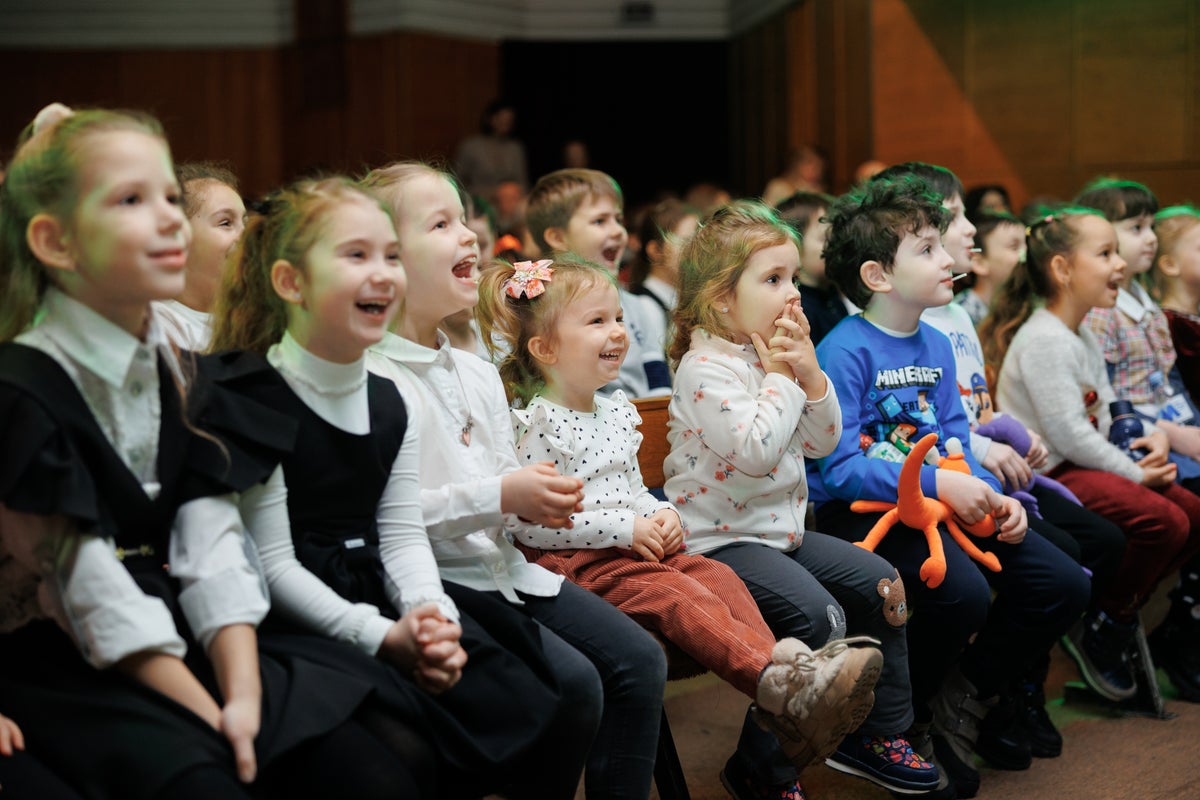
1107, 755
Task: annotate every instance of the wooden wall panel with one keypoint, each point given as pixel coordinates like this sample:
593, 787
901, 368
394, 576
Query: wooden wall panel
1040, 96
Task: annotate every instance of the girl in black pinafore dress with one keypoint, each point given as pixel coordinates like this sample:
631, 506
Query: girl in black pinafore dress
145, 680
339, 528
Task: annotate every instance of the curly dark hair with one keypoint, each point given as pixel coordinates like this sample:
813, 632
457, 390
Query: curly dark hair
868, 224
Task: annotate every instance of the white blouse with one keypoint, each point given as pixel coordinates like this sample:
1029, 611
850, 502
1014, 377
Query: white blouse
93, 596
338, 394
460, 476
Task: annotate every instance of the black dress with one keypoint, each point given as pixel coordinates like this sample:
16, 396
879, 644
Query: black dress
493, 718
110, 736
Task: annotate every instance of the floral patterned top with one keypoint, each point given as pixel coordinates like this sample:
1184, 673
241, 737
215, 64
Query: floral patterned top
739, 437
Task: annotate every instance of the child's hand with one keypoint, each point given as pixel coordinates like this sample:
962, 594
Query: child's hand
442, 657
671, 527
1007, 465
1010, 516
240, 721
1038, 455
1183, 439
647, 539
539, 494
1161, 475
968, 497
1157, 447
11, 737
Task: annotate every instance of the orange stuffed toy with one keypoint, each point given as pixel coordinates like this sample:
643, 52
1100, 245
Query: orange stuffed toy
917, 511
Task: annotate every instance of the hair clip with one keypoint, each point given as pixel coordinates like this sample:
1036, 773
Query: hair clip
1046, 220
527, 279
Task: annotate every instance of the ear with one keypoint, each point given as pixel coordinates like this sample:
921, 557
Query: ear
875, 277
1167, 266
979, 264
654, 250
556, 238
1060, 270
49, 242
288, 282
542, 351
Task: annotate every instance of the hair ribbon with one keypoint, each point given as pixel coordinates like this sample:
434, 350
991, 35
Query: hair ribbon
527, 279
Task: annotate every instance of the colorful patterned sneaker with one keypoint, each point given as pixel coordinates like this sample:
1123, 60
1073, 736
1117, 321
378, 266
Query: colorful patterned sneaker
811, 699
742, 786
888, 761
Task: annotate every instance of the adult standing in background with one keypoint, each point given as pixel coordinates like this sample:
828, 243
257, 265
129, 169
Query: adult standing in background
492, 157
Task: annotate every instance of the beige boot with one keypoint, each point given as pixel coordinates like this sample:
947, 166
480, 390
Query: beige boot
812, 700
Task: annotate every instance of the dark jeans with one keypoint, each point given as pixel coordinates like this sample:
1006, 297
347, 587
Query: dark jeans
633, 672
1088, 538
825, 589
1040, 592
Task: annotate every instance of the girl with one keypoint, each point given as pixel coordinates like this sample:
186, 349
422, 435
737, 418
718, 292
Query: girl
655, 276
562, 325
470, 480
1176, 278
461, 328
217, 216
1053, 379
1133, 334
122, 507
999, 245
338, 527
750, 403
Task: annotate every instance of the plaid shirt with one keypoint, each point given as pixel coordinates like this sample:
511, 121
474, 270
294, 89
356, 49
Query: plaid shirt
1136, 342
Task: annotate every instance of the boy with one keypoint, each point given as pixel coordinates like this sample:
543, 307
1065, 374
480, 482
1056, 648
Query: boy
999, 247
580, 211
892, 373
823, 304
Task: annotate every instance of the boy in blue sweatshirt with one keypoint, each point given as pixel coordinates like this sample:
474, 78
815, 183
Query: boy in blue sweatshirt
895, 380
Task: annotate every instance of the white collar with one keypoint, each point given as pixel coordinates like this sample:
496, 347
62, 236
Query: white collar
406, 351
703, 340
325, 377
96, 343
895, 333
660, 288
1134, 302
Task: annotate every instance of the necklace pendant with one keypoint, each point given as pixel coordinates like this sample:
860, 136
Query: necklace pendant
465, 435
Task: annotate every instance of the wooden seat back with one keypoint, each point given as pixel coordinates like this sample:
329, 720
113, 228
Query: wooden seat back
654, 449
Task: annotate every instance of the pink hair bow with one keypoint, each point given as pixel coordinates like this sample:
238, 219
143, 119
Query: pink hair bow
527, 279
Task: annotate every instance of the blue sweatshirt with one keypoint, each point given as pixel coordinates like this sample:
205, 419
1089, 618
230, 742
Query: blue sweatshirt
893, 390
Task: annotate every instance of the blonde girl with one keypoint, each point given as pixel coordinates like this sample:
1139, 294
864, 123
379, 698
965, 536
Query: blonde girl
750, 403
1054, 379
564, 320
338, 526
120, 505
471, 480
1176, 281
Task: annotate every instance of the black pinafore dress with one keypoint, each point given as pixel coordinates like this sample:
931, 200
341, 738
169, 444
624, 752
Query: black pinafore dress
110, 736
507, 696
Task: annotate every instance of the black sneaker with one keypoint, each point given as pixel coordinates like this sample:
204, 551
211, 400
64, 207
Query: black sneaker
1100, 648
1176, 648
1044, 739
1003, 740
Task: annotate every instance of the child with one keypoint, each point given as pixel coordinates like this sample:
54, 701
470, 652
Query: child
562, 322
1054, 378
742, 421
338, 527
896, 376
1133, 334
123, 507
580, 211
667, 227
824, 306
1176, 278
999, 247
470, 481
1011, 452
461, 328
217, 216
